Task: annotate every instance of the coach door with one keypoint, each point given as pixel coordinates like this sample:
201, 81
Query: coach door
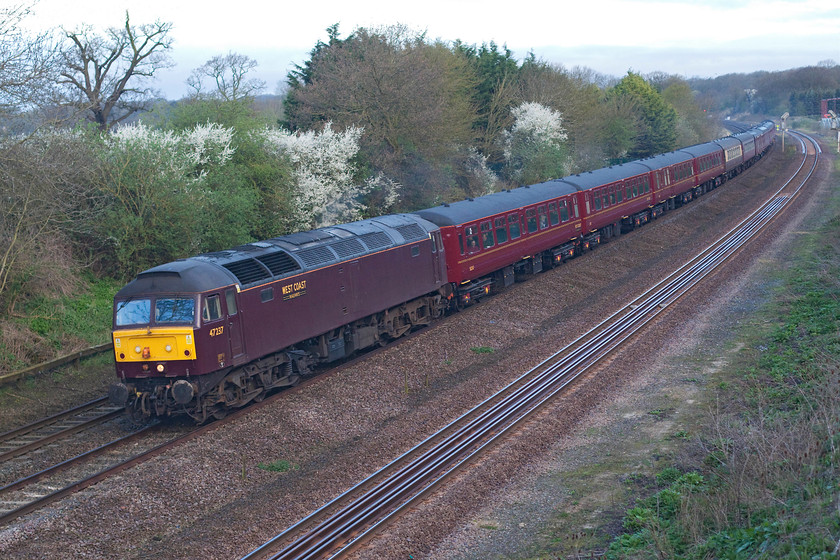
234, 324
437, 256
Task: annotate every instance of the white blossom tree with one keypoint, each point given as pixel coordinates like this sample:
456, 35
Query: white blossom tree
535, 145
326, 192
160, 201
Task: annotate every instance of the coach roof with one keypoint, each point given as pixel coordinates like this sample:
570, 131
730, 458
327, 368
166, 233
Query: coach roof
473, 209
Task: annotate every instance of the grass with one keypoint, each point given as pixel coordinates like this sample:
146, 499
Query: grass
765, 484
754, 471
47, 327
280, 466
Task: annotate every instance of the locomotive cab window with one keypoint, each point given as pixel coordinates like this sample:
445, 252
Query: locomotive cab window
133, 312
230, 300
212, 309
174, 310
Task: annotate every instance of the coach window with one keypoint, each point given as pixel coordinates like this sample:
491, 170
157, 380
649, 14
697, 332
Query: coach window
646, 184
486, 235
501, 231
212, 309
605, 197
619, 191
564, 211
553, 217
543, 217
597, 202
513, 226
531, 219
472, 238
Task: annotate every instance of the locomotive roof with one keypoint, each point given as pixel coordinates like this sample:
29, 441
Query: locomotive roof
259, 262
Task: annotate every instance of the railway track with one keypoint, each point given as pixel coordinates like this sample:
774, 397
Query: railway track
25, 439
354, 516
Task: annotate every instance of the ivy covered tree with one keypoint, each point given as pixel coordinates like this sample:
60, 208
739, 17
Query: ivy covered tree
657, 132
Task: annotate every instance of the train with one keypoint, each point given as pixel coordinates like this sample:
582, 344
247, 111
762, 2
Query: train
205, 335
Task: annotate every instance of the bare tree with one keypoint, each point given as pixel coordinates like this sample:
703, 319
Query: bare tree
27, 68
107, 73
228, 74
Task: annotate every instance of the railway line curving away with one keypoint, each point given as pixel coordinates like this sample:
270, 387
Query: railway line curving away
384, 404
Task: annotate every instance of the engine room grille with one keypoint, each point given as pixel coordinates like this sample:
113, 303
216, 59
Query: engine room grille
348, 248
279, 263
248, 271
412, 232
376, 240
316, 256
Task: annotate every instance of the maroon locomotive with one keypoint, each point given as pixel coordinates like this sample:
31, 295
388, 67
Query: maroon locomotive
203, 335
207, 334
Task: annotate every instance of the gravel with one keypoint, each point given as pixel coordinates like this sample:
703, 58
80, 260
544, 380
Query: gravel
211, 499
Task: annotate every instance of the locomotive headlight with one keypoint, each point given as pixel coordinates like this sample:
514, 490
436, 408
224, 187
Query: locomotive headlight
138, 349
160, 368
169, 348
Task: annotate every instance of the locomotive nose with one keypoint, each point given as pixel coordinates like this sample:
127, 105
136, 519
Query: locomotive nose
118, 394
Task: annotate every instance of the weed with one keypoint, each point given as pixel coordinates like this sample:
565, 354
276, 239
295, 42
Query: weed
483, 349
280, 465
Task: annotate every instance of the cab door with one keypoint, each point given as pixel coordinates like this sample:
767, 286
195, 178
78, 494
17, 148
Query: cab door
234, 325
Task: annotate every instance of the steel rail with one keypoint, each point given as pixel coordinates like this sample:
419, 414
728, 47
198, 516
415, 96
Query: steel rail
62, 433
453, 451
52, 419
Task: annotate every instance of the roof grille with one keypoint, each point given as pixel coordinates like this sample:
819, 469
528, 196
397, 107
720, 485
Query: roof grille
412, 232
248, 271
316, 256
348, 248
376, 240
279, 263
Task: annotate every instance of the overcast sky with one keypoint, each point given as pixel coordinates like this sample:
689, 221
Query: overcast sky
687, 37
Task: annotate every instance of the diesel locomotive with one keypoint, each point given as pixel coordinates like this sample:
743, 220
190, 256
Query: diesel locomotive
207, 334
